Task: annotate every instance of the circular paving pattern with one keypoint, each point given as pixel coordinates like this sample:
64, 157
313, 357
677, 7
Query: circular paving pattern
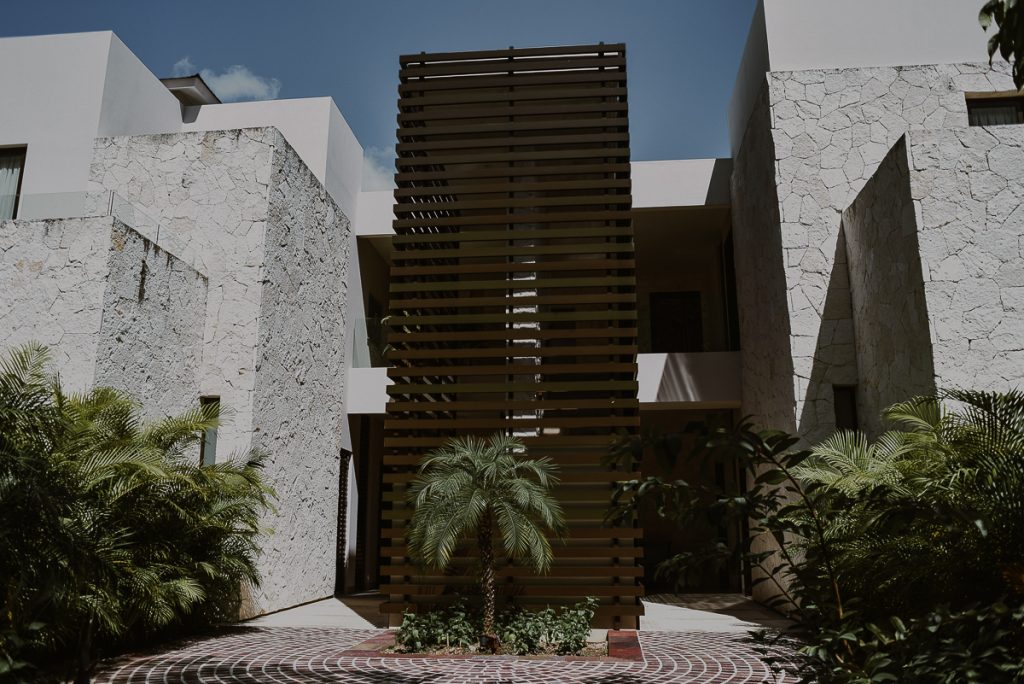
299, 655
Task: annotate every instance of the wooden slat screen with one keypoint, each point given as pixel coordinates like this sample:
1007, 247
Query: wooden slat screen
512, 299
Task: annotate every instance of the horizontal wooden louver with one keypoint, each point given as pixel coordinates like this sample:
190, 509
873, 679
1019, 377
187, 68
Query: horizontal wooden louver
512, 300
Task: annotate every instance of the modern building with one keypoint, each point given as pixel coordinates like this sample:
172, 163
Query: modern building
863, 243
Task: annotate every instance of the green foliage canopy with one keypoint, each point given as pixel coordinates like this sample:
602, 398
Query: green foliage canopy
902, 557
110, 527
1008, 37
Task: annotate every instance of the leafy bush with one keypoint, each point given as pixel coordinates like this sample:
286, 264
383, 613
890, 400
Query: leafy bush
520, 632
902, 558
110, 528
452, 627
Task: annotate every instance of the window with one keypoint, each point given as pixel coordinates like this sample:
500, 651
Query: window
12, 163
676, 322
845, 405
995, 109
208, 446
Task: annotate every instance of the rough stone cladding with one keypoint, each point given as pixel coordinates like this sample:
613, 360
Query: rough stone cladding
300, 380
77, 286
767, 365
53, 275
940, 234
275, 245
890, 317
829, 130
151, 336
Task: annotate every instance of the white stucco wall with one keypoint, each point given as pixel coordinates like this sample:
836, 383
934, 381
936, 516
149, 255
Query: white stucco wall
73, 88
55, 89
312, 126
134, 101
703, 379
376, 213
680, 182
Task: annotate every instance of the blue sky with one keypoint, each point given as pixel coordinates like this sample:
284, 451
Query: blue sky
682, 54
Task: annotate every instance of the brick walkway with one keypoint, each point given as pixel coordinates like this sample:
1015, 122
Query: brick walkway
299, 655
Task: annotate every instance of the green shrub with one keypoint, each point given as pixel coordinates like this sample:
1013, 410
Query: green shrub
902, 558
572, 627
451, 627
521, 632
110, 528
525, 632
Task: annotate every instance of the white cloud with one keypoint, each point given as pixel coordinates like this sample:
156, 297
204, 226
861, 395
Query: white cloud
378, 168
184, 67
235, 83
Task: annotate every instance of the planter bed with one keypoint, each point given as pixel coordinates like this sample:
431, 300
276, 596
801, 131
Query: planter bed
621, 645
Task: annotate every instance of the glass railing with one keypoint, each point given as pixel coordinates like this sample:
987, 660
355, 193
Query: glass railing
369, 343
63, 205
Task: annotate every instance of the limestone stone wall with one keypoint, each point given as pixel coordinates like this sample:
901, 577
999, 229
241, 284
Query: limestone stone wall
894, 352
937, 257
113, 310
206, 194
968, 190
767, 367
829, 130
242, 205
53, 275
151, 339
300, 375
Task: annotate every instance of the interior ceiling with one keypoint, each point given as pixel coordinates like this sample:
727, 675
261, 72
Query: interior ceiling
674, 235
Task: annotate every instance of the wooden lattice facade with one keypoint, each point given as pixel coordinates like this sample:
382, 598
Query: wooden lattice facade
512, 298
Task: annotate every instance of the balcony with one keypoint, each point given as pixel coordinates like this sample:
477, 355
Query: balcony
706, 380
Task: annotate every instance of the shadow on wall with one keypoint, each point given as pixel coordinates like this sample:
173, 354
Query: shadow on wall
835, 353
887, 298
699, 376
769, 394
718, 186
845, 339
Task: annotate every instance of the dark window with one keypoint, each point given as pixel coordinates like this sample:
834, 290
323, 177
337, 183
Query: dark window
676, 324
996, 109
12, 164
208, 446
845, 401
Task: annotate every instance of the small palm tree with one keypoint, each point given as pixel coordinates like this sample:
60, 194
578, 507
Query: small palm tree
472, 486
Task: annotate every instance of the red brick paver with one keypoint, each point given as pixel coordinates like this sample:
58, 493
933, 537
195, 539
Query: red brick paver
301, 655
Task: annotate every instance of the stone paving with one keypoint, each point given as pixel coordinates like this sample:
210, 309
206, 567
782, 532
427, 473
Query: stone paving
297, 655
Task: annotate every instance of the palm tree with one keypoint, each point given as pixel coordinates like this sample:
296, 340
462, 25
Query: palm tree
110, 527
932, 511
474, 486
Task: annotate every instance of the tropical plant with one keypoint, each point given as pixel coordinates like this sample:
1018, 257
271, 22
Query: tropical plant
522, 632
1008, 38
902, 558
109, 525
472, 486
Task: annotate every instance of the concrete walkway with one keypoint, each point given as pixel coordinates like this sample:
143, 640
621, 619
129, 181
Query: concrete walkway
685, 639
350, 612
731, 613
